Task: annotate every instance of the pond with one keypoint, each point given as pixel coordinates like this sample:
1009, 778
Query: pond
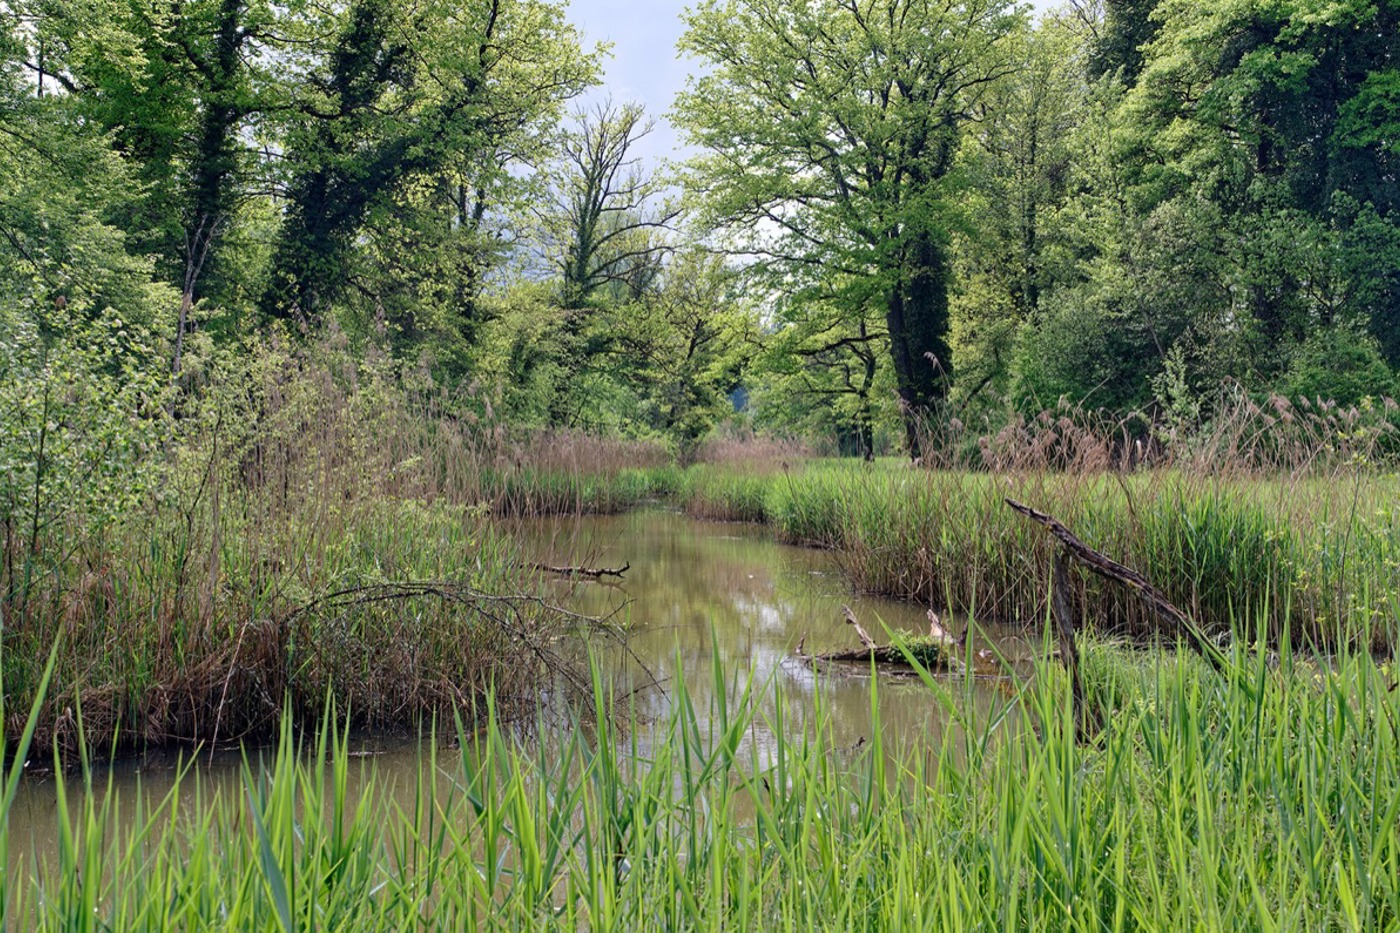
699, 592
695, 593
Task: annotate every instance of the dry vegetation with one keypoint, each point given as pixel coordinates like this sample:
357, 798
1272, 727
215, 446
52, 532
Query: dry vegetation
318, 527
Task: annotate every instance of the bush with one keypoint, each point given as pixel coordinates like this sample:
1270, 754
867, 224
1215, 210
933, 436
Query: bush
1340, 365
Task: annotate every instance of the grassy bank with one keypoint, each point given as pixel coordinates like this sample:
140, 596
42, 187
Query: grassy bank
1266, 799
308, 526
1318, 556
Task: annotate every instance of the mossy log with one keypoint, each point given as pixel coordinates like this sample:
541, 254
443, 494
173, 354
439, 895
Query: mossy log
936, 651
936, 656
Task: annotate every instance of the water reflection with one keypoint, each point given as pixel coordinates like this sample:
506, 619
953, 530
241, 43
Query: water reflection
700, 592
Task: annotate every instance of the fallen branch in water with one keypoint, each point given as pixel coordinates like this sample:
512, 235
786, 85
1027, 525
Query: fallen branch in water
1110, 569
935, 652
866, 641
589, 572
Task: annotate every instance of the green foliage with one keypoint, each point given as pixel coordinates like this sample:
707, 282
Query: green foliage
1339, 365
1082, 354
63, 259
1222, 205
661, 363
1017, 170
1262, 798
81, 427
828, 135
416, 119
602, 228
1118, 198
317, 524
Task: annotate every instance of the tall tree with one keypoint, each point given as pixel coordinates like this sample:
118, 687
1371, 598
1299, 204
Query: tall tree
1277, 114
1017, 165
397, 100
177, 88
1123, 29
601, 218
830, 128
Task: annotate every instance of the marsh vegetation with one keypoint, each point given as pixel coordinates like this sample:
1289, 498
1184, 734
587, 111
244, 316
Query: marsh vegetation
368, 393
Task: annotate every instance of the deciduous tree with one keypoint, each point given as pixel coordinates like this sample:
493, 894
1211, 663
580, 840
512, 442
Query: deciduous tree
829, 129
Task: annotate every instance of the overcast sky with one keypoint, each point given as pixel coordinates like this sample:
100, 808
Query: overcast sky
644, 66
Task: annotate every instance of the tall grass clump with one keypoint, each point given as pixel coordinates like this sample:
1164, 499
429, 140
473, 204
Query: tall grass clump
718, 494
1264, 798
1276, 509
1321, 551
305, 524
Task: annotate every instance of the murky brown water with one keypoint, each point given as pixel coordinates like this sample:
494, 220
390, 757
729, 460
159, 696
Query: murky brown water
698, 591
695, 592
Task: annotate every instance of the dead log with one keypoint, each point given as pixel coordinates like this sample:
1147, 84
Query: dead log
888, 655
1069, 651
1109, 568
861, 633
589, 572
934, 653
937, 632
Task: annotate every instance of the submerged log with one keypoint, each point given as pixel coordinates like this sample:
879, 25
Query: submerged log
589, 572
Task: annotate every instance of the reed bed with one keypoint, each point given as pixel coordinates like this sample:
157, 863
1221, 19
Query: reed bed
1264, 798
1235, 433
725, 495
752, 451
309, 524
1312, 559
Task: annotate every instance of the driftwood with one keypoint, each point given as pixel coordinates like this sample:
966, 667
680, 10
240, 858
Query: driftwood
936, 652
937, 632
1109, 568
1069, 651
866, 641
589, 572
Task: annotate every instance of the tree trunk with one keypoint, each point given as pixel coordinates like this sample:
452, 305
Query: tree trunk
216, 166
917, 319
865, 415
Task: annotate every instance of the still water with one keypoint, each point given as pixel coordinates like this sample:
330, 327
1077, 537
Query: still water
695, 592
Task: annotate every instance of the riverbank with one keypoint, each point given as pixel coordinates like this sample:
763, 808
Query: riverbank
396, 609
1265, 798
1311, 560
404, 595
305, 530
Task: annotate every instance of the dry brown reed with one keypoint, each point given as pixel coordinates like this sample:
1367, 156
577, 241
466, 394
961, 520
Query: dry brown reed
762, 452
1243, 436
296, 473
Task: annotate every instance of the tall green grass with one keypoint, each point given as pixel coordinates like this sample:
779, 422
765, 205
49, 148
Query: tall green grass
1323, 553
1265, 799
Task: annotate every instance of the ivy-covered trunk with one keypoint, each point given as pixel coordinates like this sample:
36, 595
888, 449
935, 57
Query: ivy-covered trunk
917, 319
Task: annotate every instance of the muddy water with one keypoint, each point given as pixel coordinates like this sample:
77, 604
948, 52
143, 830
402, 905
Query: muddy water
694, 592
